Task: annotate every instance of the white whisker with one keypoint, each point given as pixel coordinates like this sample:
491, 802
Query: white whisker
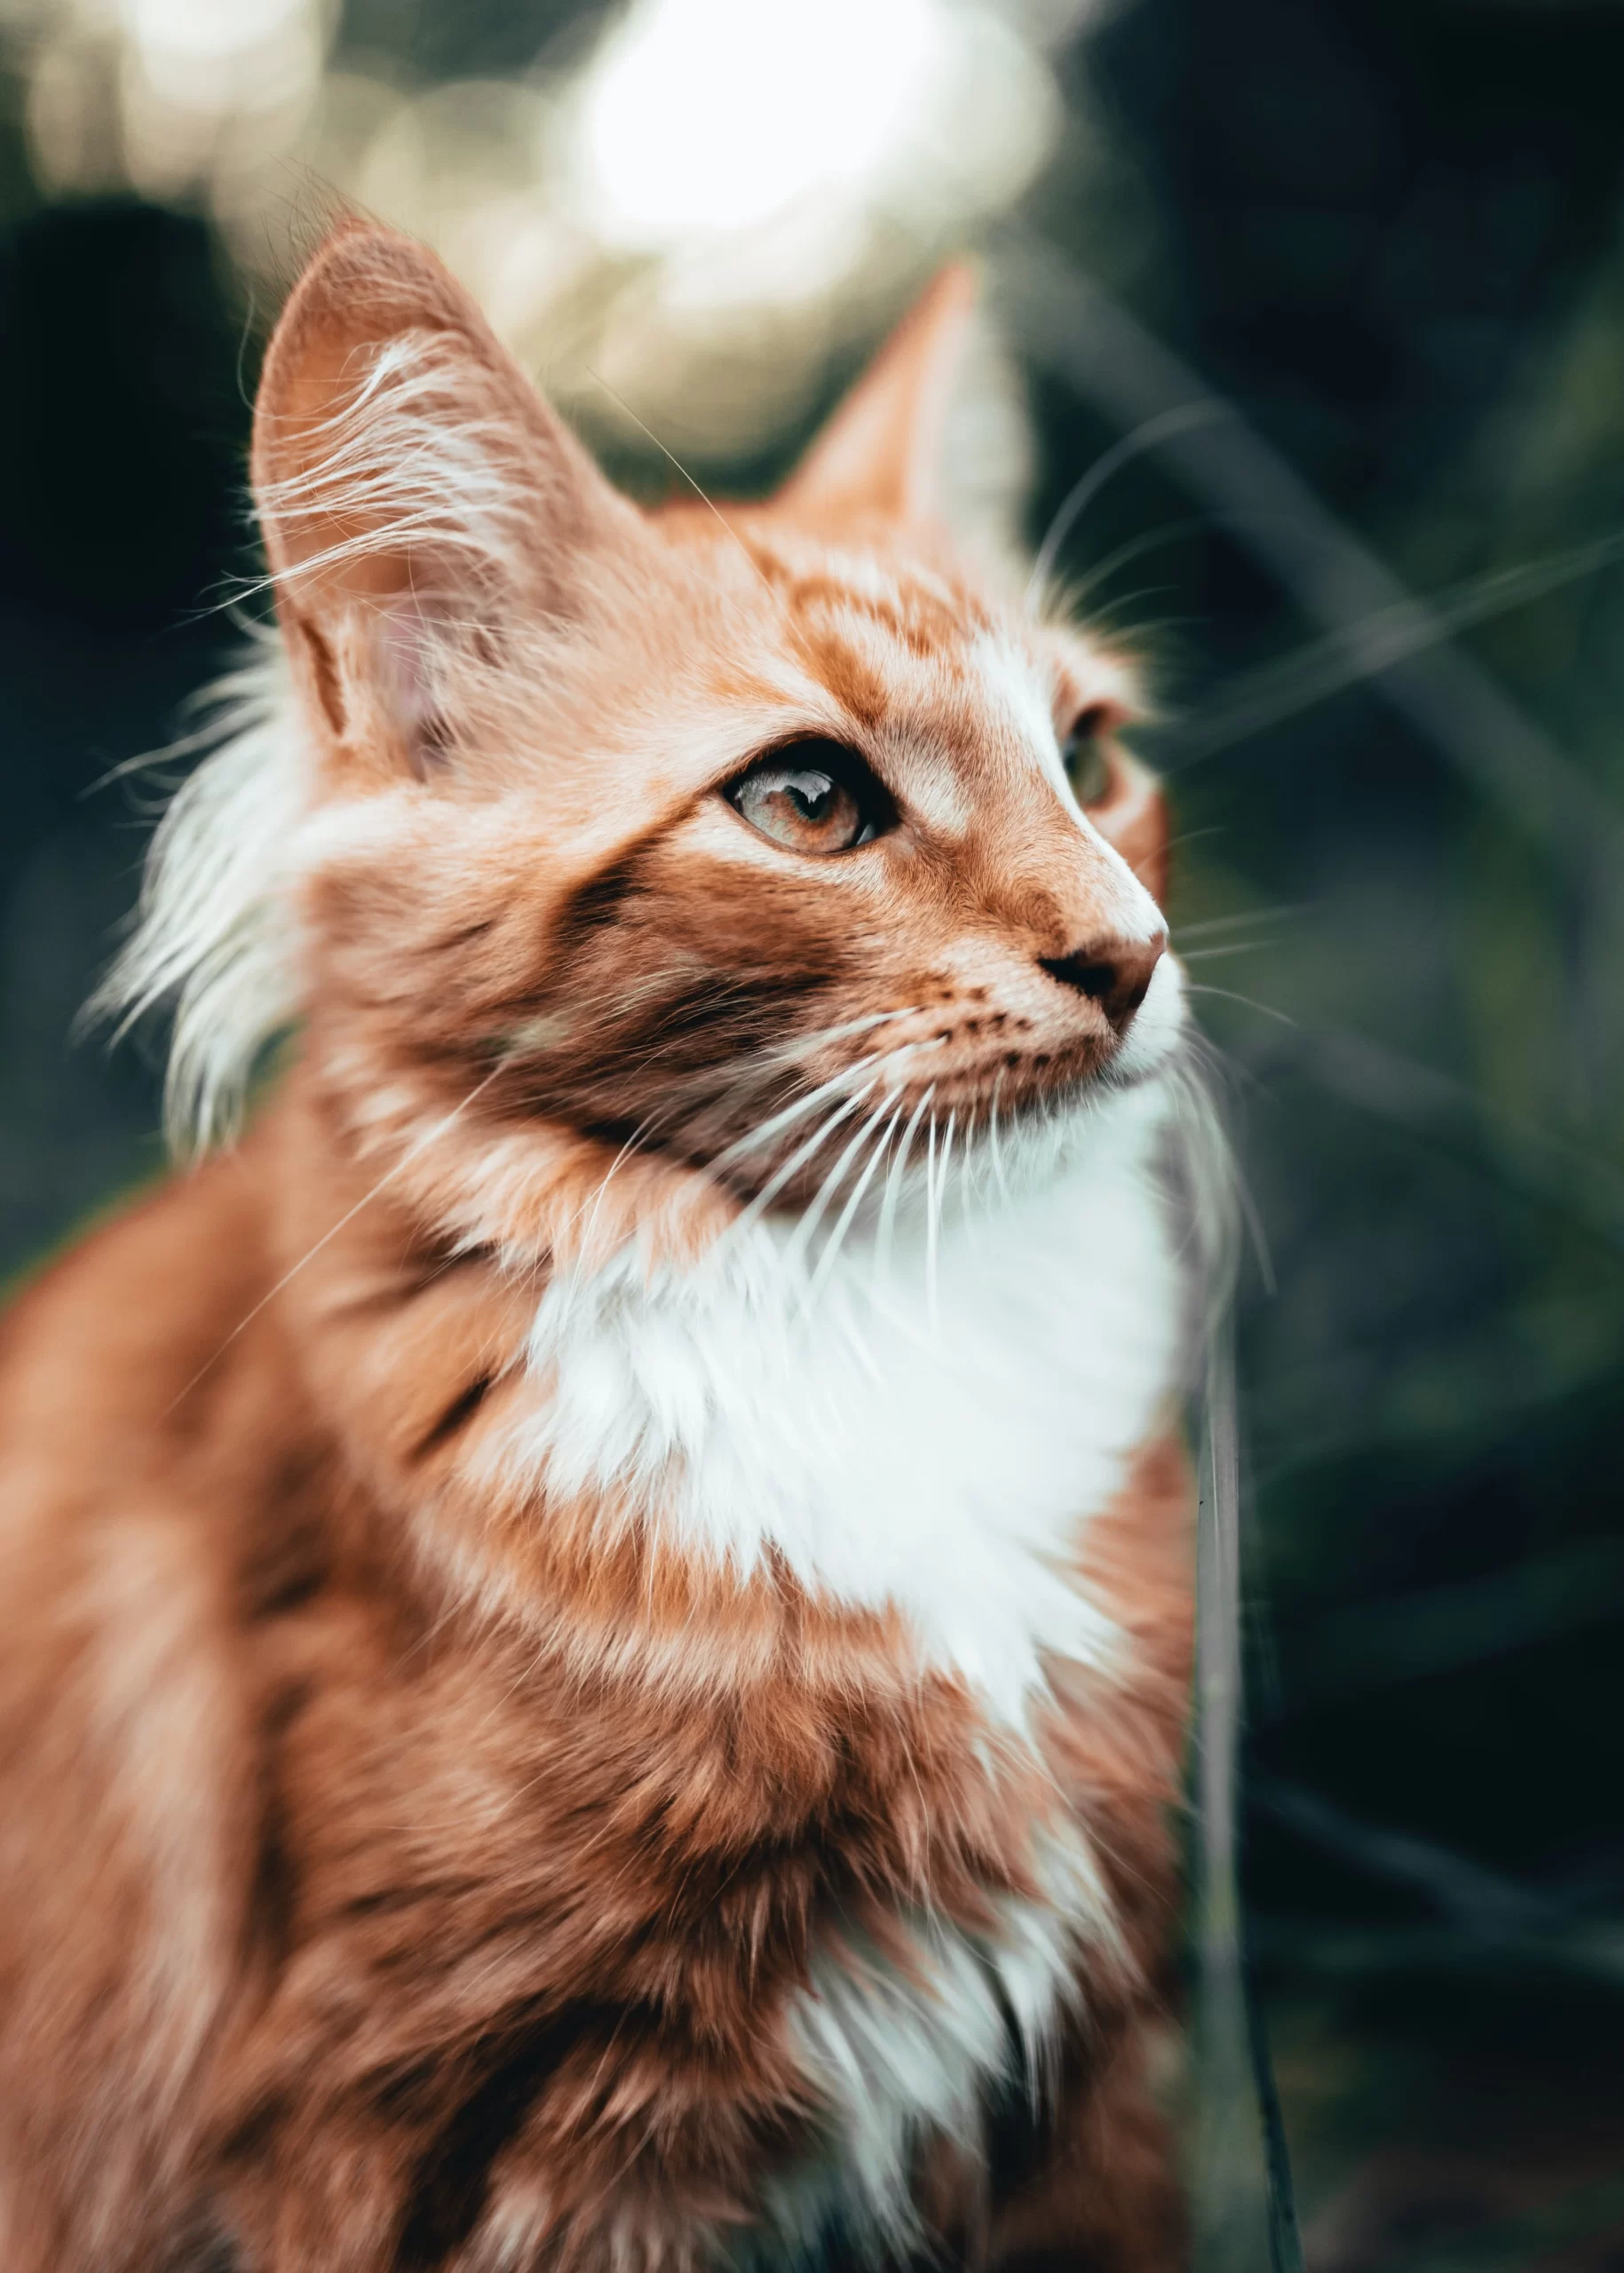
893, 1187
827, 1260
931, 1221
792, 1113
781, 1176
995, 1141
811, 1215
1228, 994
804, 1045
941, 1174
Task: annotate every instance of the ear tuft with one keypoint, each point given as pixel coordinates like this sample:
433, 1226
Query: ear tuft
361, 426
405, 470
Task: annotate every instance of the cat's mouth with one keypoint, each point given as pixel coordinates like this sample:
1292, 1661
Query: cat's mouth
978, 1079
777, 1118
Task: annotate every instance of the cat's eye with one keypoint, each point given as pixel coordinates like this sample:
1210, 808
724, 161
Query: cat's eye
1084, 754
813, 797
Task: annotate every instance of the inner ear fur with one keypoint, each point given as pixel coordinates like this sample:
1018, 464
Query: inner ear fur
407, 474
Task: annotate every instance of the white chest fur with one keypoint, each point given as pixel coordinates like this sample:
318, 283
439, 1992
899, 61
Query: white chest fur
926, 1421
897, 2051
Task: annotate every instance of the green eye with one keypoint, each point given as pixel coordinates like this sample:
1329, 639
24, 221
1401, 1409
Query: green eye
1083, 755
813, 797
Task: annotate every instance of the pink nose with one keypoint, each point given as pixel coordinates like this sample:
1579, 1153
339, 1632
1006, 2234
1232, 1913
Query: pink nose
1114, 973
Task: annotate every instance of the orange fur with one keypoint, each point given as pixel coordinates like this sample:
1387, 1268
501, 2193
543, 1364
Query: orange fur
398, 1870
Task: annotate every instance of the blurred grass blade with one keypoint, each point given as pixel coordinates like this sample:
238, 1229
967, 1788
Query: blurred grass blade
1348, 657
1243, 2216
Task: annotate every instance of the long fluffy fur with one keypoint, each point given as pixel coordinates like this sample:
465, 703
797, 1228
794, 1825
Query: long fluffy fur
399, 462
214, 941
605, 1604
404, 459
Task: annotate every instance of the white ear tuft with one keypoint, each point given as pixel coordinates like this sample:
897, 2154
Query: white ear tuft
405, 470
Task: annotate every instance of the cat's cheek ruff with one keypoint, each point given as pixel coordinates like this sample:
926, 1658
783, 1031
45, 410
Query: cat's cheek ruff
405, 453
927, 1430
215, 933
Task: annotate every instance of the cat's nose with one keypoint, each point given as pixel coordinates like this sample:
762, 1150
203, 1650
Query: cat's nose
1114, 973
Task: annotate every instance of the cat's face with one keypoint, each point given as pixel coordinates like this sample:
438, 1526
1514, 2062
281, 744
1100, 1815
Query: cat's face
726, 843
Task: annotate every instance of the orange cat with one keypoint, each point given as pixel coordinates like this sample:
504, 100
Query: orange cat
597, 1614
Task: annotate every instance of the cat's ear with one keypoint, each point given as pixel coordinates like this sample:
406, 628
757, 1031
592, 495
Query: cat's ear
888, 449
419, 502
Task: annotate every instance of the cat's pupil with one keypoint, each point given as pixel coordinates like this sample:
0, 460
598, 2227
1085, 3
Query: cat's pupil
812, 793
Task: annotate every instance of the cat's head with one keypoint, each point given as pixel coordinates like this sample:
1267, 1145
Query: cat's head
703, 838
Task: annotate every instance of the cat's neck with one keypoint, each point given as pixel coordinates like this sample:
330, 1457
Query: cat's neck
904, 1431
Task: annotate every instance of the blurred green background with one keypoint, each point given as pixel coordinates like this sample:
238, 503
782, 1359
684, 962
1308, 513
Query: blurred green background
1329, 296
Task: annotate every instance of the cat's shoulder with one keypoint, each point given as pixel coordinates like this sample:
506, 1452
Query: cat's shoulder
134, 1290
147, 1378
